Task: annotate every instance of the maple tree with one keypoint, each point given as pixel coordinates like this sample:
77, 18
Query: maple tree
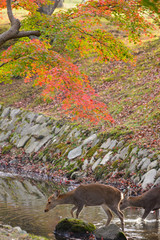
48, 44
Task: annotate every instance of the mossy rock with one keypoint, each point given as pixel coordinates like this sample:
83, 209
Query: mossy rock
74, 227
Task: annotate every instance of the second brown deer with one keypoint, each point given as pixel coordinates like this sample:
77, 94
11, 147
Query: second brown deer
149, 201
90, 195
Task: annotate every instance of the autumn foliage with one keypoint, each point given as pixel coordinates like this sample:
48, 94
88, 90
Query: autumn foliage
68, 35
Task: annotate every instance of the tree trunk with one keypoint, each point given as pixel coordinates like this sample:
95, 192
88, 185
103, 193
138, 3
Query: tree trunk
49, 9
14, 32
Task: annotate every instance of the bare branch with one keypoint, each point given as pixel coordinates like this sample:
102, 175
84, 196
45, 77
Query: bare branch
27, 34
10, 13
14, 33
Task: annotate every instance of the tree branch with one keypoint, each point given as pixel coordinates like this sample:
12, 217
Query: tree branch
49, 9
14, 32
10, 13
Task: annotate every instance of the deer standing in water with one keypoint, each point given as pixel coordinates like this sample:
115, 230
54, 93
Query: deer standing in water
149, 200
90, 195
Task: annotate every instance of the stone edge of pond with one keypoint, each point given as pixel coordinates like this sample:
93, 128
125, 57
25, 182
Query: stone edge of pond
8, 232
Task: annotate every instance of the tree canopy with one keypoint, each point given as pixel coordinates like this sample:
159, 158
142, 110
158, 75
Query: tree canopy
49, 45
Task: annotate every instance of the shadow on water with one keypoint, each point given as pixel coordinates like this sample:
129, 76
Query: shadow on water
22, 204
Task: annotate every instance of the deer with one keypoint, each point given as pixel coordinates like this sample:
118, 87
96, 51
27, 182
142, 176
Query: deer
149, 201
90, 195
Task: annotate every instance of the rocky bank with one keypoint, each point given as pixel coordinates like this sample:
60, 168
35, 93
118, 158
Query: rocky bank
8, 232
76, 149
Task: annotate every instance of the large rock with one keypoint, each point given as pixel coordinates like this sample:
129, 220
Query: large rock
124, 153
106, 145
133, 164
152, 165
113, 144
76, 152
4, 136
111, 232
31, 116
96, 164
143, 153
44, 141
14, 113
89, 139
29, 148
157, 182
40, 132
158, 173
22, 141
106, 158
144, 163
6, 112
41, 119
149, 178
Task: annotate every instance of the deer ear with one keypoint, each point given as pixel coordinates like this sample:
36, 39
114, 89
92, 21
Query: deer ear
57, 193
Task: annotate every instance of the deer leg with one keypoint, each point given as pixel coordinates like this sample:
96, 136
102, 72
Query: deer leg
146, 212
79, 209
116, 210
157, 214
109, 214
72, 210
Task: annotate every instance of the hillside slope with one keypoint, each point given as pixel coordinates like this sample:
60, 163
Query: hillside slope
132, 94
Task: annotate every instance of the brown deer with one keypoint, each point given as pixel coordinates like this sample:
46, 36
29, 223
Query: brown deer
90, 195
149, 200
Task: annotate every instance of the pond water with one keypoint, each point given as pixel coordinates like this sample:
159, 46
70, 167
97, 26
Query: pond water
22, 203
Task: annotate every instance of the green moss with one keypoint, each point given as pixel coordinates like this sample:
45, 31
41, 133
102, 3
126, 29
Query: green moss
46, 150
101, 172
40, 155
48, 157
109, 79
58, 162
103, 136
79, 163
69, 173
155, 115
34, 237
92, 151
12, 134
75, 226
62, 147
115, 164
6, 149
19, 119
130, 148
118, 132
123, 165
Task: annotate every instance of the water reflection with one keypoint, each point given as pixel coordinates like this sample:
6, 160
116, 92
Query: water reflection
22, 204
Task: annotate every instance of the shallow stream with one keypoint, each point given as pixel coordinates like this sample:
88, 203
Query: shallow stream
22, 203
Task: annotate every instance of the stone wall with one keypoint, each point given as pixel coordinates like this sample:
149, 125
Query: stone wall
73, 147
